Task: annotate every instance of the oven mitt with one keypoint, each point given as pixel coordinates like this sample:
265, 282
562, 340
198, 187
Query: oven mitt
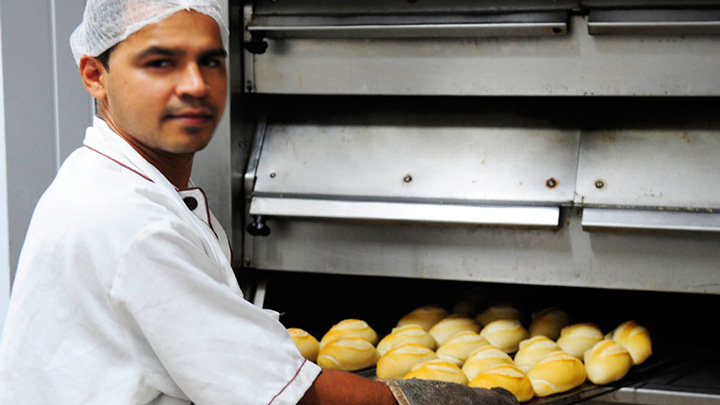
428, 392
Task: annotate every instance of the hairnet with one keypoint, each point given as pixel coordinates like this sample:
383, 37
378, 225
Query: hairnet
108, 22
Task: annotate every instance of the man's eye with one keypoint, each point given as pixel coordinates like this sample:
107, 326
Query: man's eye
212, 62
159, 63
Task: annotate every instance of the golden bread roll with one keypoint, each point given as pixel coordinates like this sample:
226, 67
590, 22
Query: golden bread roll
548, 322
347, 328
576, 339
405, 334
555, 373
636, 340
533, 349
457, 349
505, 334
506, 376
496, 312
425, 316
452, 324
305, 342
607, 361
399, 360
437, 370
484, 358
349, 353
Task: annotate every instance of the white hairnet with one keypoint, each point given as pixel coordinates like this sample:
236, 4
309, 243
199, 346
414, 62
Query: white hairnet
108, 22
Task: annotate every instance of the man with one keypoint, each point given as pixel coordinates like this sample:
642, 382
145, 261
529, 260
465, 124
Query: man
124, 291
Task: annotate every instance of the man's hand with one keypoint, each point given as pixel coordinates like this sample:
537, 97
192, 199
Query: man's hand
425, 392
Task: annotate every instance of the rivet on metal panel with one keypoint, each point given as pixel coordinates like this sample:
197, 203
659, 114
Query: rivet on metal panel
272, 175
407, 179
247, 262
551, 183
599, 184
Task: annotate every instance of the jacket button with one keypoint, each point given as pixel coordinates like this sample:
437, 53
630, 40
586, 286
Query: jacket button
191, 202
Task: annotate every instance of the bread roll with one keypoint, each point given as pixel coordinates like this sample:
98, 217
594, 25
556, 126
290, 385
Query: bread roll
452, 324
576, 339
437, 370
484, 358
457, 349
555, 373
349, 353
533, 349
350, 327
399, 360
496, 312
425, 316
305, 342
506, 376
405, 334
636, 340
607, 361
505, 334
548, 322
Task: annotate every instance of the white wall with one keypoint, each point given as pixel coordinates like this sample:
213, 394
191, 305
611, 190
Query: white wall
4, 238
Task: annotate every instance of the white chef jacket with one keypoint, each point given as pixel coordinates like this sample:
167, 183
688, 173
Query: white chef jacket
123, 295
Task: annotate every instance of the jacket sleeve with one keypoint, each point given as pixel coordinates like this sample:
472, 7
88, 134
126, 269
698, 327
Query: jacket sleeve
195, 337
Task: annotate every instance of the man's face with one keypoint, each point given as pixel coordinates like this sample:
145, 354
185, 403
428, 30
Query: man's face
166, 85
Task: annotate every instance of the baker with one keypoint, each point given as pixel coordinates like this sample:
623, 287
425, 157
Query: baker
124, 292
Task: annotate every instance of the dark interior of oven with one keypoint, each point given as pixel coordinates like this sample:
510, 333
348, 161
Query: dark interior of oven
685, 353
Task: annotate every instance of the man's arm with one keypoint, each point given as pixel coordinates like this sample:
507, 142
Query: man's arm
339, 387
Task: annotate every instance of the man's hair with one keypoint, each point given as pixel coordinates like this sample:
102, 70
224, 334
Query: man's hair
104, 57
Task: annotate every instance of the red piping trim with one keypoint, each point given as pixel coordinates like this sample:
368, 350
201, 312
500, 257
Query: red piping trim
291, 380
207, 208
121, 164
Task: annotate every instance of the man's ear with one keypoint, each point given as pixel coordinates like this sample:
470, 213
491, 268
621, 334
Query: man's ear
92, 74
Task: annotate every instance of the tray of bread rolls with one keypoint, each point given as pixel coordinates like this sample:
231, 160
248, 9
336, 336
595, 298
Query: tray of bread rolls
546, 356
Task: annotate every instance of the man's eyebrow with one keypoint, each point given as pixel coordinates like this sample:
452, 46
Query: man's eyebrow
215, 53
158, 51
161, 51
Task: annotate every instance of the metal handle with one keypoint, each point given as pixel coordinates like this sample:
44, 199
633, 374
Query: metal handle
527, 216
610, 218
258, 227
654, 22
384, 26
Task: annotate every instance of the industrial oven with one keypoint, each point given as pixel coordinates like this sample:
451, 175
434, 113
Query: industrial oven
392, 153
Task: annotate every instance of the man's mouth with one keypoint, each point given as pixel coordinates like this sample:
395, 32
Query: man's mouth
194, 117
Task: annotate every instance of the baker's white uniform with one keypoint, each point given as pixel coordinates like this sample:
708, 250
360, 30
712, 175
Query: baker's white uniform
124, 295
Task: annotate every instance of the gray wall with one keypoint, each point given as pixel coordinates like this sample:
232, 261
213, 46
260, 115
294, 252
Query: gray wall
46, 112
46, 108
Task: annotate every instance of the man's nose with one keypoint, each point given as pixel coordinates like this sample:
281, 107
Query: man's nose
192, 82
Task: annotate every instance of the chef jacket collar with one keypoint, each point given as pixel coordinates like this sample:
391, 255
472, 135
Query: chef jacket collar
103, 140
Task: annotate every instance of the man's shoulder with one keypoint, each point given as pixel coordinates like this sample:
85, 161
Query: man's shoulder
91, 196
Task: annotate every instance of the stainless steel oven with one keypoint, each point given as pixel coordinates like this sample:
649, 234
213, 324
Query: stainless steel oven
391, 153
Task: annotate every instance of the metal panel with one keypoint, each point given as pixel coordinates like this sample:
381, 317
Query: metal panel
650, 167
567, 256
574, 64
433, 158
